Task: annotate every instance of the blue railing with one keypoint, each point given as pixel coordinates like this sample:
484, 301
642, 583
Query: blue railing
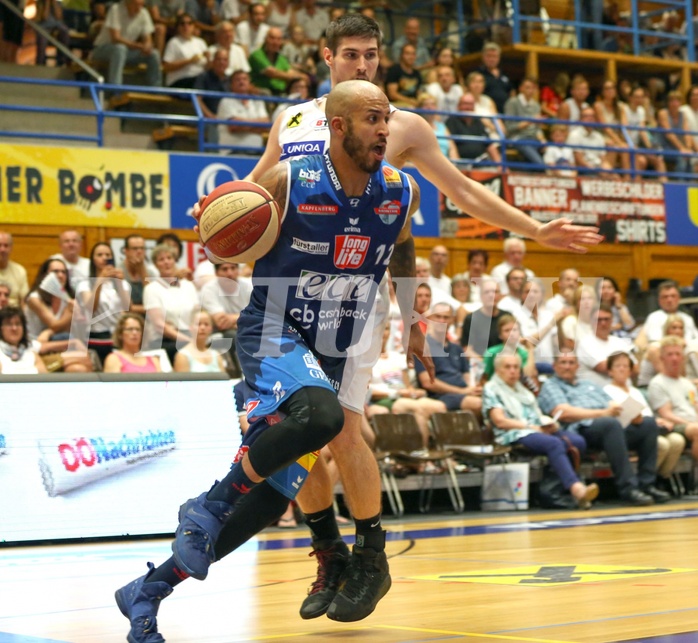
199, 122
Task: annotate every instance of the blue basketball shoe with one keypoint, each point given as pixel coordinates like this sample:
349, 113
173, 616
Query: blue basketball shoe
139, 602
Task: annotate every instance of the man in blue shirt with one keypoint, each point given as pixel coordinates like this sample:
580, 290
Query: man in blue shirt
588, 410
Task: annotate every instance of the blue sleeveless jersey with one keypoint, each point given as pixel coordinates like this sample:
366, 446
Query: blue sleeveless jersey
322, 276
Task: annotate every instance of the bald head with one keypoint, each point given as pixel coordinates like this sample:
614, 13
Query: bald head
350, 96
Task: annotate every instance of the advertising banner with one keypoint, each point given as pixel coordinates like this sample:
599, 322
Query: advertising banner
682, 219
84, 186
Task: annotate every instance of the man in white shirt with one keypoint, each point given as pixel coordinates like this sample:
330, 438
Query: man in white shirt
513, 301
672, 396
588, 136
241, 109
314, 21
446, 91
668, 298
566, 285
225, 39
250, 33
438, 260
11, 272
514, 253
593, 352
70, 242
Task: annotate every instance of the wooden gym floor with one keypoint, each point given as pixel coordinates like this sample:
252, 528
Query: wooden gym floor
612, 574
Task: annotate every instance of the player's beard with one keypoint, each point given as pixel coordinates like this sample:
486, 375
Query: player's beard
359, 152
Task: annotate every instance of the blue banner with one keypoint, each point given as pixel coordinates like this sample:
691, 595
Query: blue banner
681, 214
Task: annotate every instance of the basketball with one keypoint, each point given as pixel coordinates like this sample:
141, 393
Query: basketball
239, 222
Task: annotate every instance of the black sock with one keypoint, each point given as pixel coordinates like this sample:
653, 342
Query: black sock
369, 533
323, 525
169, 573
233, 487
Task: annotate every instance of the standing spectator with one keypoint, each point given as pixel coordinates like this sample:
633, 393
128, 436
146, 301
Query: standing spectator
197, 356
443, 134
17, 355
586, 409
559, 157
126, 37
552, 96
594, 351
514, 255
403, 80
271, 70
525, 127
512, 411
669, 446
668, 298
103, 298
445, 90
610, 295
206, 16
70, 243
465, 124
450, 384
170, 303
12, 273
592, 156
252, 112
313, 19
49, 15
250, 33
163, 14
571, 108
592, 12
225, 39
186, 55
128, 342
672, 396
480, 328
681, 142
478, 260
136, 271
497, 85
214, 79
438, 260
411, 37
609, 111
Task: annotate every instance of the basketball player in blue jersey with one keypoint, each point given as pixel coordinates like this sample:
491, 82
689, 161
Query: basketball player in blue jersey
300, 344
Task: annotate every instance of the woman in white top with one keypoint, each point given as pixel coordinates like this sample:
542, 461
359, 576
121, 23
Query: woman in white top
636, 116
609, 111
17, 356
539, 325
280, 13
103, 297
669, 446
186, 55
169, 303
197, 356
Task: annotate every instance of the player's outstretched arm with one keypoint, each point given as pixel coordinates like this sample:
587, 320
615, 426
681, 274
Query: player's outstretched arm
418, 145
272, 152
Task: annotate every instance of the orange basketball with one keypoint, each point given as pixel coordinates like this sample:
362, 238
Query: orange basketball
239, 222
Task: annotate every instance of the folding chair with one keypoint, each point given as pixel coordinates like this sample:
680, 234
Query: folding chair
399, 440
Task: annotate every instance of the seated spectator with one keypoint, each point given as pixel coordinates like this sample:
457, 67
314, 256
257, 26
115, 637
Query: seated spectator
567, 284
525, 127
690, 112
668, 298
5, 294
103, 298
175, 243
595, 159
11, 34
478, 260
70, 242
245, 138
484, 105
169, 303
669, 446
559, 157
197, 356
135, 270
609, 294
577, 326
404, 80
280, 14
497, 85
12, 273
17, 356
512, 411
128, 341
514, 255
553, 95
410, 36
206, 15
446, 91
233, 11
680, 142
299, 53
271, 70
651, 363
512, 302
163, 14
444, 57
237, 56
461, 291
597, 347
636, 116
510, 341
609, 111
391, 392
298, 90
571, 108
438, 260
186, 55
584, 408
213, 80
672, 396
446, 144
467, 125
126, 38
450, 384
314, 21
480, 328
539, 326
49, 15
250, 33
